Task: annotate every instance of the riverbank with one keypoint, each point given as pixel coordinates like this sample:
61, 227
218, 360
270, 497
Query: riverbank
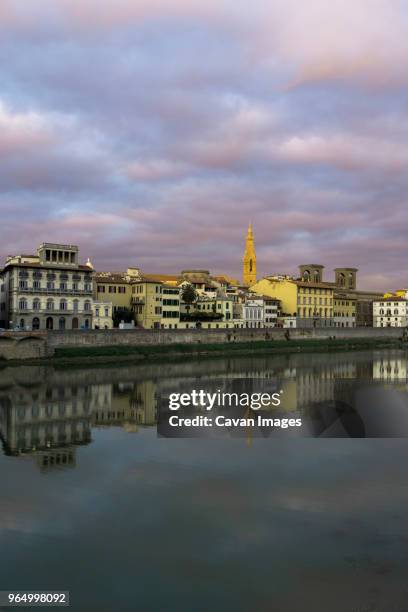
86, 355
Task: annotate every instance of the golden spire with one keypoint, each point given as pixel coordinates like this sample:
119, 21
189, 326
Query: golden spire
249, 260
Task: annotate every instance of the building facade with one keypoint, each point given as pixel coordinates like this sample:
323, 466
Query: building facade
102, 313
49, 290
170, 307
147, 303
115, 288
390, 312
344, 314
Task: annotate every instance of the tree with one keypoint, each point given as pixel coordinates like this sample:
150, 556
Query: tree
122, 314
188, 295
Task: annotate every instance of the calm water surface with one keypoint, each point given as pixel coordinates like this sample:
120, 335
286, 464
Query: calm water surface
93, 502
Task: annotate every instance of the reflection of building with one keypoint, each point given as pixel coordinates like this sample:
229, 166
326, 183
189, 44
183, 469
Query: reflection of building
389, 368
126, 405
49, 290
144, 401
46, 422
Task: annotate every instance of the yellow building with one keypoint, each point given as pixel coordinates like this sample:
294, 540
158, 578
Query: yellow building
170, 307
147, 302
310, 302
344, 311
115, 287
249, 260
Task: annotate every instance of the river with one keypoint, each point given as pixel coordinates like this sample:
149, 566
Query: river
94, 502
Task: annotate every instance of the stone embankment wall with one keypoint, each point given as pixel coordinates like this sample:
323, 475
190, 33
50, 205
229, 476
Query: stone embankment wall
21, 345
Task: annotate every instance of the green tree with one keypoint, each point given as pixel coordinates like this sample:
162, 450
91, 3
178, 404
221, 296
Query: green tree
188, 295
122, 314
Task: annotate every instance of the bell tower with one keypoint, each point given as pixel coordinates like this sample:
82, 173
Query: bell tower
249, 260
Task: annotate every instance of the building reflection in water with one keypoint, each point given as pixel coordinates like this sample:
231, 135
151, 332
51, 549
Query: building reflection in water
47, 414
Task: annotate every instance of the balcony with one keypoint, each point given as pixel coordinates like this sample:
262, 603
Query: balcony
44, 291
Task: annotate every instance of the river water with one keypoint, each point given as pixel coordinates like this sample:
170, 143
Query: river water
94, 502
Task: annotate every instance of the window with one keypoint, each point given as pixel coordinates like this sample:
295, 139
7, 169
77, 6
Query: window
101, 289
106, 312
22, 304
50, 304
23, 284
75, 304
63, 305
87, 306
36, 305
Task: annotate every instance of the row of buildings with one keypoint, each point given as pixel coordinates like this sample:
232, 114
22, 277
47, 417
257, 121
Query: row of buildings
52, 290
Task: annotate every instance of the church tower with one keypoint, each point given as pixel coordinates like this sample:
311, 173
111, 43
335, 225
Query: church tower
249, 260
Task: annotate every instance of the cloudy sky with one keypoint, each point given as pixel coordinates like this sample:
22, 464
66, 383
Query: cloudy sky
150, 132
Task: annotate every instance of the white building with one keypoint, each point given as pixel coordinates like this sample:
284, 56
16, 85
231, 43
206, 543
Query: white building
253, 312
102, 315
390, 312
271, 311
46, 290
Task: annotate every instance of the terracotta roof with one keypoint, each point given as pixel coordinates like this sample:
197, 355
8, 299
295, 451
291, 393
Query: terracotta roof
263, 297
315, 285
162, 277
145, 279
110, 277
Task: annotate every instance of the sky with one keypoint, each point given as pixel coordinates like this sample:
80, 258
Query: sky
151, 132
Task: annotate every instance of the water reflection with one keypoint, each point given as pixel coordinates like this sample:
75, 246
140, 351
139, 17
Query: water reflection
47, 413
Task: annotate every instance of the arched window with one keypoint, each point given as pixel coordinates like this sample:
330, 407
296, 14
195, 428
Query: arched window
63, 305
36, 304
50, 304
22, 304
76, 305
36, 323
87, 306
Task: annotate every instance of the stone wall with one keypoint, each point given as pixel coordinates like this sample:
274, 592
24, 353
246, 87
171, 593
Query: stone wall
204, 336
20, 345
